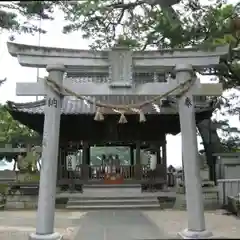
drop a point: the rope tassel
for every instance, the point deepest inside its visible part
(142, 117)
(98, 116)
(122, 119)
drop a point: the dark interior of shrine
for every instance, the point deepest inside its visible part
(84, 127)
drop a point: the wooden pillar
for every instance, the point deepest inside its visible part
(62, 169)
(85, 160)
(138, 167)
(62, 165)
(159, 160)
(164, 158)
(155, 148)
(131, 155)
(88, 154)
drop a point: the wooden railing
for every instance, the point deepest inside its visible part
(97, 172)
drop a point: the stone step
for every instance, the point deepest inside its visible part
(114, 207)
(112, 192)
(121, 198)
(114, 202)
(102, 186)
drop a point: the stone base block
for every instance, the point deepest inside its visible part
(188, 234)
(210, 200)
(14, 205)
(53, 236)
(21, 202)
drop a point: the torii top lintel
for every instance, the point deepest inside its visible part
(40, 57)
(120, 64)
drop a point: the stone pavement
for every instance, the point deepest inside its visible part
(16, 225)
(221, 224)
(118, 225)
(115, 225)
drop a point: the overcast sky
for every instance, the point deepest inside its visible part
(11, 69)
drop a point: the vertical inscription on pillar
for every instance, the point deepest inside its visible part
(52, 102)
(188, 102)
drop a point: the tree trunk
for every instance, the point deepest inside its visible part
(211, 143)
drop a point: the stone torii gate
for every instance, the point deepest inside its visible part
(120, 64)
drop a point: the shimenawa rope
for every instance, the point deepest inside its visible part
(121, 109)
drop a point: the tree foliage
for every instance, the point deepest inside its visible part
(146, 25)
(17, 16)
(140, 25)
(13, 132)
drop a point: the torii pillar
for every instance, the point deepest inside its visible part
(195, 208)
(48, 174)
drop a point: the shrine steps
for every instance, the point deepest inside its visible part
(98, 203)
(113, 197)
(107, 186)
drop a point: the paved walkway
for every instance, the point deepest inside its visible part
(17, 225)
(118, 225)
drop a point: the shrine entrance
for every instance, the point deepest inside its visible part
(112, 163)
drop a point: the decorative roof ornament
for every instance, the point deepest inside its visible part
(99, 116)
(142, 117)
(122, 118)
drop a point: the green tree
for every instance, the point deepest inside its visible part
(17, 16)
(140, 25)
(15, 133)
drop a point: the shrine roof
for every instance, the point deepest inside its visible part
(73, 106)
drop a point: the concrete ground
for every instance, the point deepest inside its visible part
(221, 224)
(16, 225)
(114, 225)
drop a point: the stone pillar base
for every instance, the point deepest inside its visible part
(187, 234)
(53, 236)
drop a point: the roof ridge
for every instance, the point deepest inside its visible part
(32, 104)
